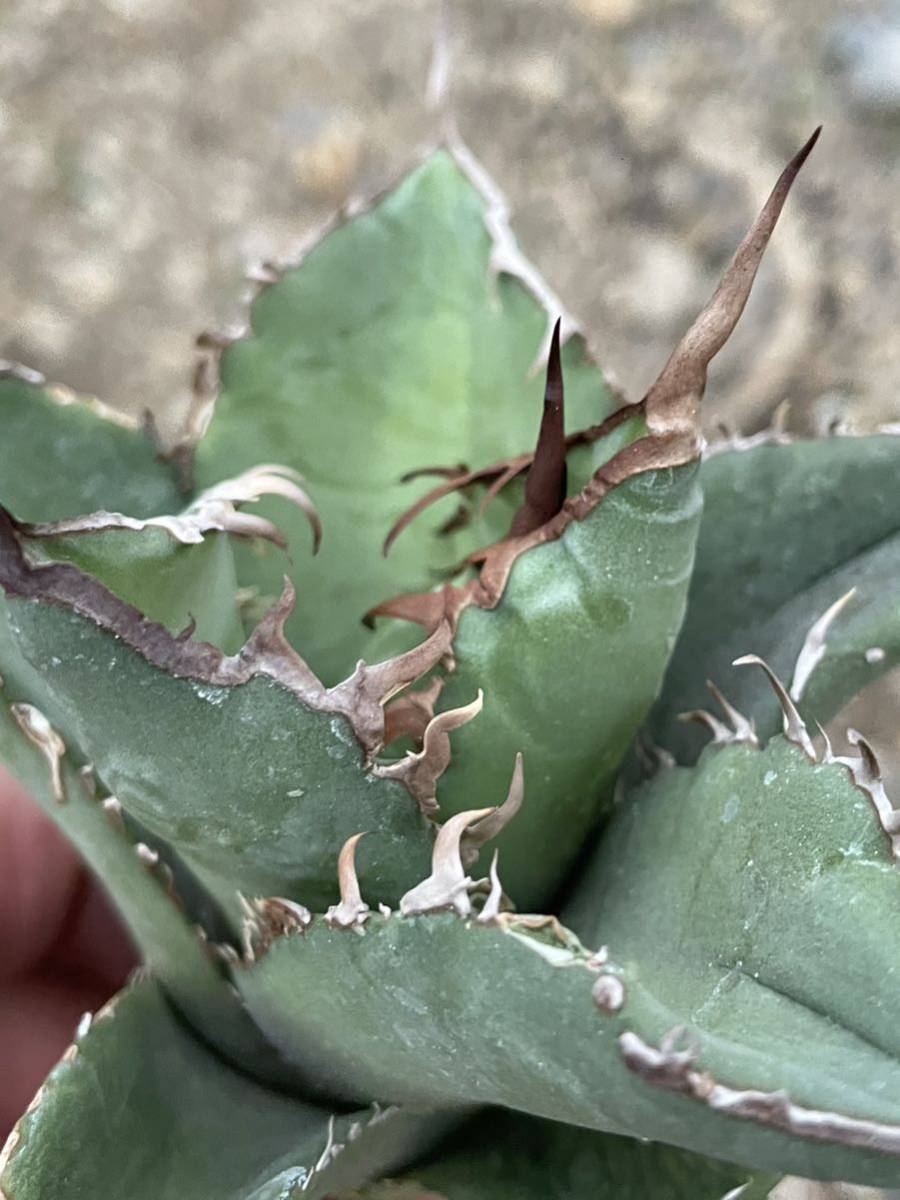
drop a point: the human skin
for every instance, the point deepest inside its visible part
(63, 952)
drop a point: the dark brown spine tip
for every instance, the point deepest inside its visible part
(316, 525)
(545, 486)
(805, 150)
(792, 170)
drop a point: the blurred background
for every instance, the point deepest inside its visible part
(150, 150)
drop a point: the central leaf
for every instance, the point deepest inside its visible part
(394, 345)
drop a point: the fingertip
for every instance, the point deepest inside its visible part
(39, 876)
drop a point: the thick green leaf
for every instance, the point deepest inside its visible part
(502, 1154)
(392, 346)
(245, 765)
(171, 948)
(571, 660)
(723, 894)
(60, 457)
(245, 781)
(139, 1108)
(571, 652)
(779, 522)
(859, 643)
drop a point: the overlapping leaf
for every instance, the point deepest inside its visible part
(723, 893)
(401, 340)
(500, 1154)
(787, 530)
(139, 1108)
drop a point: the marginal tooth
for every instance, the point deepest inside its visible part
(218, 504)
(352, 912)
(364, 694)
(88, 781)
(268, 649)
(608, 993)
(267, 920)
(515, 468)
(435, 741)
(870, 759)
(794, 726)
(827, 751)
(679, 1042)
(866, 774)
(148, 857)
(420, 770)
(485, 831)
(113, 812)
(651, 757)
(409, 714)
(814, 646)
(673, 1070)
(737, 1193)
(718, 730)
(491, 908)
(41, 734)
(214, 509)
(743, 727)
(545, 485)
(448, 885)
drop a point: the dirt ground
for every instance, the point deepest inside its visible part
(150, 149)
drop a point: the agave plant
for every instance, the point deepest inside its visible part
(373, 965)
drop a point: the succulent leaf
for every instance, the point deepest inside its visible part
(399, 337)
(616, 576)
(722, 892)
(572, 618)
(138, 1107)
(739, 999)
(138, 882)
(788, 529)
(500, 1154)
(571, 661)
(183, 734)
(62, 455)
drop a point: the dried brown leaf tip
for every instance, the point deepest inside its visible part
(865, 771)
(670, 409)
(672, 404)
